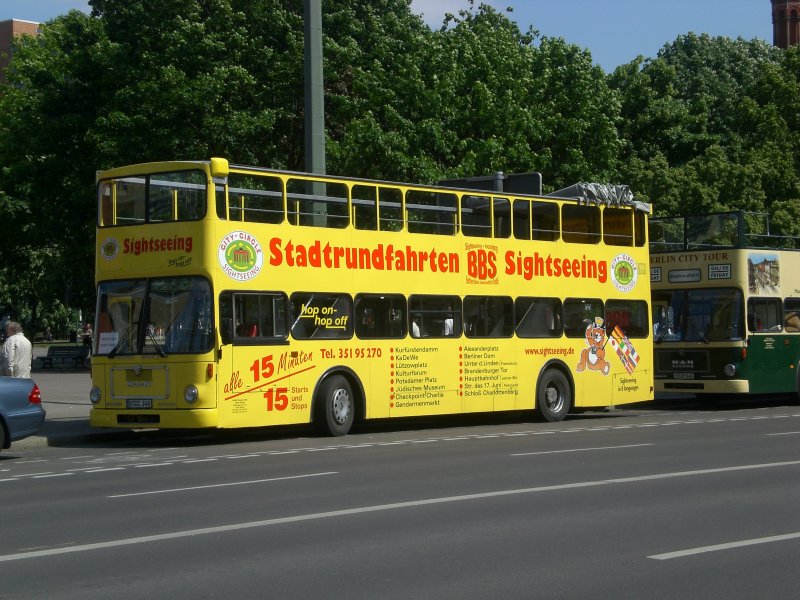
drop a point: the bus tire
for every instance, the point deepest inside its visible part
(553, 396)
(335, 406)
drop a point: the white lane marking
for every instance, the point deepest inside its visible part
(376, 508)
(218, 485)
(581, 449)
(785, 433)
(132, 455)
(54, 475)
(728, 546)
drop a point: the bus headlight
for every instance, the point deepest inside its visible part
(729, 370)
(190, 394)
(94, 395)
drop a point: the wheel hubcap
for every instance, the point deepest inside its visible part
(340, 408)
(554, 398)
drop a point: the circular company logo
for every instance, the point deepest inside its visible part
(109, 249)
(624, 272)
(240, 256)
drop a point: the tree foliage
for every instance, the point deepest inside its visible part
(708, 124)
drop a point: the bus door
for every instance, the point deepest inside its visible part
(254, 388)
(771, 356)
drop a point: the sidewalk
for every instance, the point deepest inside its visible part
(65, 397)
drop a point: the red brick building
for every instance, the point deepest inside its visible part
(785, 23)
(8, 30)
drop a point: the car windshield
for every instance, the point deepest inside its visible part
(154, 316)
(702, 315)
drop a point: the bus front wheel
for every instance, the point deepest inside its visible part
(553, 396)
(335, 406)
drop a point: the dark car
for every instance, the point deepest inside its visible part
(21, 412)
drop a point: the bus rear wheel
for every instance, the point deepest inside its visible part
(335, 406)
(553, 396)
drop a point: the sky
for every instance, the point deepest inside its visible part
(614, 31)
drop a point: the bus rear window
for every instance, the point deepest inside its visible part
(158, 198)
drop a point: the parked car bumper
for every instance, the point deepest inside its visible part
(25, 423)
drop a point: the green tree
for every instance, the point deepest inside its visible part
(143, 80)
(710, 125)
(46, 191)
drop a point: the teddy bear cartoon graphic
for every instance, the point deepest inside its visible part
(594, 357)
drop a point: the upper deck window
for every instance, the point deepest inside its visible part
(157, 198)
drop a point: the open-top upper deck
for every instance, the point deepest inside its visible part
(738, 229)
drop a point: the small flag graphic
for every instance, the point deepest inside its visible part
(625, 350)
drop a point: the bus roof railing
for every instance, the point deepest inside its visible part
(730, 229)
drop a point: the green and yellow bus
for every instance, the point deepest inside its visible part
(234, 296)
(726, 305)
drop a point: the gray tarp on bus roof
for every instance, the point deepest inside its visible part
(601, 193)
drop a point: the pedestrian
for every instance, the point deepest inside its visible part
(88, 337)
(16, 355)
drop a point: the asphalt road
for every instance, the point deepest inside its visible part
(660, 501)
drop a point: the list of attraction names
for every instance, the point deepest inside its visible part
(413, 379)
(485, 372)
(419, 377)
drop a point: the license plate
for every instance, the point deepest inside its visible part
(683, 375)
(139, 403)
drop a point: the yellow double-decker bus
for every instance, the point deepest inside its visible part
(234, 296)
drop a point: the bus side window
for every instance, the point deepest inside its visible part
(580, 224)
(255, 199)
(791, 315)
(579, 313)
(380, 316)
(314, 203)
(321, 316)
(431, 212)
(764, 314)
(631, 316)
(488, 316)
(437, 316)
(249, 316)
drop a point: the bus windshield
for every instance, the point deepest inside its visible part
(154, 316)
(709, 315)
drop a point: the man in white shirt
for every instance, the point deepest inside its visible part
(447, 329)
(16, 355)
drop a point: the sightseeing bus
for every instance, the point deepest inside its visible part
(234, 296)
(726, 305)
